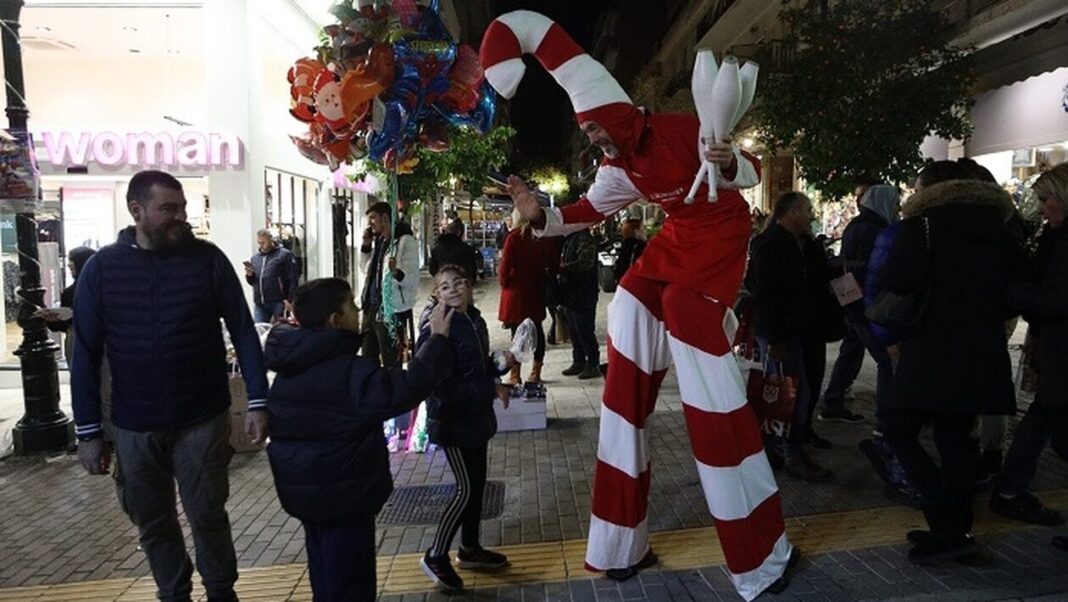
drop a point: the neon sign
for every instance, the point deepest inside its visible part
(163, 149)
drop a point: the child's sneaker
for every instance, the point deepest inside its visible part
(481, 558)
(440, 571)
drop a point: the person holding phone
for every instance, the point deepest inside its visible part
(274, 274)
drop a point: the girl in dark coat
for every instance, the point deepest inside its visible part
(461, 419)
(954, 248)
(1042, 297)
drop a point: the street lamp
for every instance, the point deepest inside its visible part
(44, 427)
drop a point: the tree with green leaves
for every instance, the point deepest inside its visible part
(469, 158)
(866, 81)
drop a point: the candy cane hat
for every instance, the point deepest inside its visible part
(595, 94)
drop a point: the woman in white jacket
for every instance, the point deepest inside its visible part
(403, 275)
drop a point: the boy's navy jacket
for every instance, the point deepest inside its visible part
(460, 410)
(326, 407)
(157, 314)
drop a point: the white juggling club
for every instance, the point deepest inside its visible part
(732, 91)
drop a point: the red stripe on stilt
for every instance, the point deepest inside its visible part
(723, 439)
(628, 391)
(618, 498)
(748, 541)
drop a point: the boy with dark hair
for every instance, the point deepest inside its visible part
(327, 451)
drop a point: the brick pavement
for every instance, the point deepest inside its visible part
(60, 525)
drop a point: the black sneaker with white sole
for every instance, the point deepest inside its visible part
(481, 558)
(440, 571)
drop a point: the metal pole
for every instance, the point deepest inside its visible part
(44, 427)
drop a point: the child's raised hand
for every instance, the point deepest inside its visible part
(440, 320)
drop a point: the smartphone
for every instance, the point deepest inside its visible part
(248, 264)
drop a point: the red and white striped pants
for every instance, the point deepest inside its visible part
(650, 323)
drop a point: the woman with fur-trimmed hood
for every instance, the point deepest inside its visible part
(954, 244)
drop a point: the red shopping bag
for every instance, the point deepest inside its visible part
(772, 396)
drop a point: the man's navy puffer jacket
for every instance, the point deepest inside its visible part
(157, 314)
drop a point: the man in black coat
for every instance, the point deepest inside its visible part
(274, 274)
(954, 249)
(777, 280)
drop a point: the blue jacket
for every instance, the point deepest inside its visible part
(326, 406)
(858, 240)
(873, 280)
(275, 275)
(157, 314)
(460, 410)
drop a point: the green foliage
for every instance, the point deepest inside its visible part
(550, 179)
(866, 82)
(469, 158)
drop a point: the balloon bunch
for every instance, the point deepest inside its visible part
(722, 95)
(389, 80)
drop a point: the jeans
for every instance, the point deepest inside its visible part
(376, 343)
(814, 355)
(341, 560)
(858, 338)
(198, 457)
(1034, 430)
(582, 322)
(265, 312)
(464, 512)
(947, 492)
(793, 365)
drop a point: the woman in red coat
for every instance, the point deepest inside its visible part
(524, 263)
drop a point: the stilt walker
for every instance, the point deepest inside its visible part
(673, 304)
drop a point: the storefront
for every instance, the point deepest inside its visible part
(1022, 129)
(197, 90)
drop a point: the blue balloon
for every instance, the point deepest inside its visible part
(431, 26)
(391, 134)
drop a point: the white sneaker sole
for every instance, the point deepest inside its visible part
(429, 572)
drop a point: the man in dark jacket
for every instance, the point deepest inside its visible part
(450, 248)
(954, 249)
(274, 274)
(153, 300)
(327, 453)
(878, 209)
(777, 280)
(578, 285)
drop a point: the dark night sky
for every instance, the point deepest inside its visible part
(540, 111)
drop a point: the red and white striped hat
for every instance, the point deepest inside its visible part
(595, 94)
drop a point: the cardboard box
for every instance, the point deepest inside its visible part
(526, 409)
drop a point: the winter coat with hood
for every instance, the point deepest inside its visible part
(326, 408)
(1042, 297)
(524, 263)
(460, 410)
(858, 241)
(958, 363)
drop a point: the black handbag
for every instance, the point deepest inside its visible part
(904, 314)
